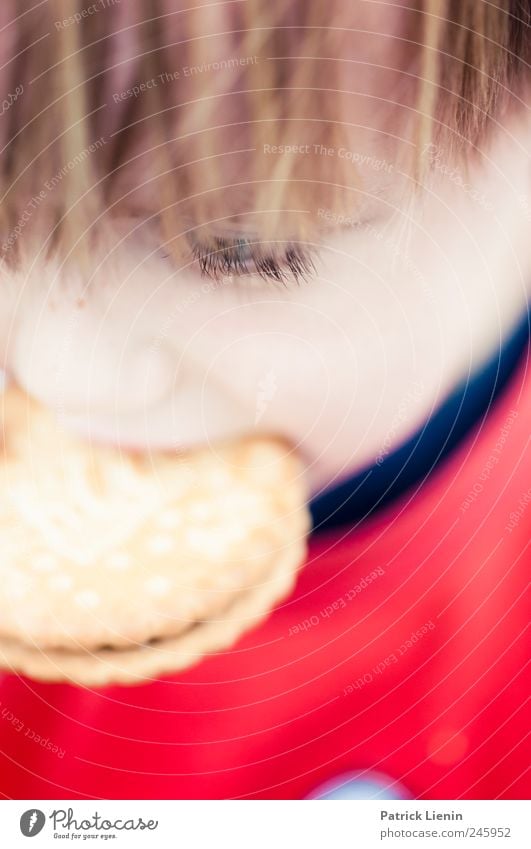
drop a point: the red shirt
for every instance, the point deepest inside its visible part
(402, 650)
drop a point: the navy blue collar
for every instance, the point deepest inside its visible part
(359, 496)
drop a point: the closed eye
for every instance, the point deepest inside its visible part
(239, 256)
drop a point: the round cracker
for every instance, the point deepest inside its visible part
(102, 547)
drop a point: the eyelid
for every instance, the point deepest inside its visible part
(244, 256)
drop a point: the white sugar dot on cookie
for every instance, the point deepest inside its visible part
(119, 560)
(60, 582)
(241, 502)
(201, 511)
(83, 559)
(218, 478)
(160, 544)
(44, 562)
(19, 587)
(204, 541)
(169, 519)
(87, 599)
(158, 585)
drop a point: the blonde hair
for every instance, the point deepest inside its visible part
(125, 108)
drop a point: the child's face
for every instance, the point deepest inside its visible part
(343, 365)
(403, 304)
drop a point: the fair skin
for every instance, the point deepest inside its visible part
(403, 305)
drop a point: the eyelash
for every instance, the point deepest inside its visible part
(240, 257)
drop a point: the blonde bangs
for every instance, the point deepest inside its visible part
(170, 116)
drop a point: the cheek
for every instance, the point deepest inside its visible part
(289, 365)
(278, 378)
(74, 359)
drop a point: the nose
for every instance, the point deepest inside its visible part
(140, 377)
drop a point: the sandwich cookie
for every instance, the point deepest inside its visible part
(108, 555)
